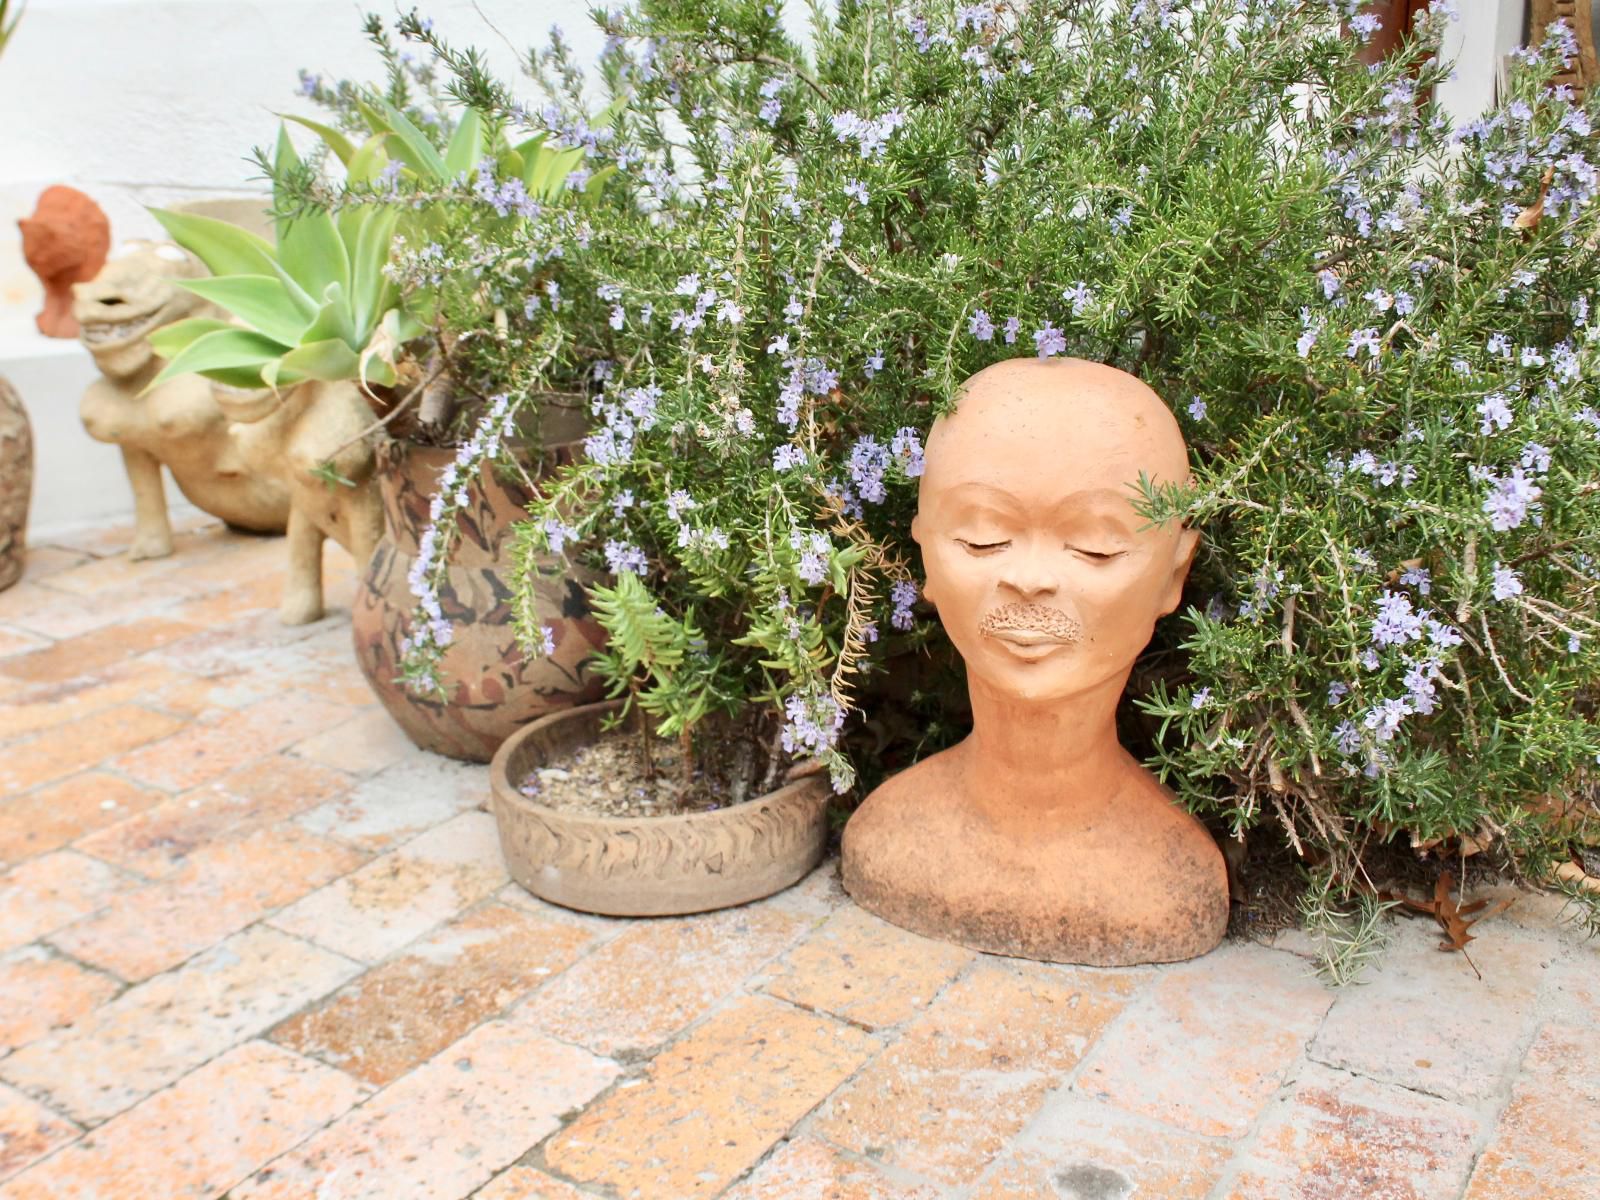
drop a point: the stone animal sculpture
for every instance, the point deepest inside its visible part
(65, 242)
(177, 425)
(1039, 835)
(304, 429)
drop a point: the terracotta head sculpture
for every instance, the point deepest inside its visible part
(1039, 835)
(64, 242)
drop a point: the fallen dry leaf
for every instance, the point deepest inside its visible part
(1571, 872)
(1528, 219)
(1451, 915)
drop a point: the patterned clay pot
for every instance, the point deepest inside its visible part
(648, 866)
(491, 688)
(16, 483)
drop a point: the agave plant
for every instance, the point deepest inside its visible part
(318, 305)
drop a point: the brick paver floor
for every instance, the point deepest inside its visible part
(253, 944)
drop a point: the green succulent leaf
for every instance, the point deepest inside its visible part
(260, 301)
(368, 162)
(331, 360)
(342, 147)
(169, 340)
(466, 144)
(371, 291)
(333, 321)
(224, 248)
(232, 356)
(412, 147)
(314, 254)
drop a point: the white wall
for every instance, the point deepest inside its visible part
(152, 101)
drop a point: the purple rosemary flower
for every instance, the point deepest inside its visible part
(624, 557)
(1511, 500)
(1049, 341)
(902, 595)
(980, 326)
(906, 448)
(1396, 622)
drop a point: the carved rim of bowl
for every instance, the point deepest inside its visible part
(648, 866)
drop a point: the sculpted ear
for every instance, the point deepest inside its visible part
(1183, 552)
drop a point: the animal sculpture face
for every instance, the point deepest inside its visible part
(133, 295)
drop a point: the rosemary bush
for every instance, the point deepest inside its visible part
(1375, 329)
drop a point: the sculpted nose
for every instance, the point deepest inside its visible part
(1028, 571)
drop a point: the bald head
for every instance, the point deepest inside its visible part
(1070, 422)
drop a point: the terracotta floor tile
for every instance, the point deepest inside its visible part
(1242, 1015)
(866, 970)
(367, 742)
(220, 889)
(20, 641)
(266, 791)
(40, 992)
(47, 560)
(208, 1131)
(48, 818)
(28, 1132)
(206, 751)
(1426, 1022)
(639, 989)
(806, 1169)
(1077, 1148)
(42, 609)
(444, 1129)
(91, 652)
(76, 745)
(406, 1011)
(712, 1104)
(162, 1029)
(397, 898)
(45, 893)
(1339, 1136)
(1546, 1139)
(29, 708)
(524, 1183)
(111, 572)
(398, 803)
(970, 1072)
(230, 604)
(818, 894)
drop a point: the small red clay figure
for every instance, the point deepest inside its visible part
(65, 242)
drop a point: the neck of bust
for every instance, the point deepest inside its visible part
(1033, 756)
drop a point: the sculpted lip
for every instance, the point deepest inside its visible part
(1030, 637)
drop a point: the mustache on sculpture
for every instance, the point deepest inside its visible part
(1038, 618)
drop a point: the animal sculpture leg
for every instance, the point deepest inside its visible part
(302, 584)
(152, 532)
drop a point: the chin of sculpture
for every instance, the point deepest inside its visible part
(1039, 836)
(293, 433)
(178, 425)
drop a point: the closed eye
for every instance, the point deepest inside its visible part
(982, 547)
(1098, 555)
